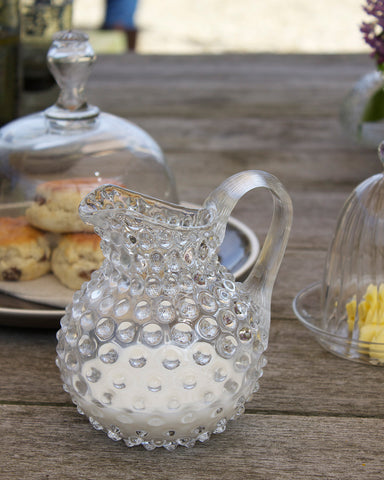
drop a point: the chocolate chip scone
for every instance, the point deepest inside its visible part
(56, 204)
(24, 250)
(75, 258)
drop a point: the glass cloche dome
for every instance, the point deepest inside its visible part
(74, 140)
(345, 311)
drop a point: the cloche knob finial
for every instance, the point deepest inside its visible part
(70, 58)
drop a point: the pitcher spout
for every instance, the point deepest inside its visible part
(113, 208)
(109, 200)
(105, 201)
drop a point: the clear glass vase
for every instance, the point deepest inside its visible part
(362, 112)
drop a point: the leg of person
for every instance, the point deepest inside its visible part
(120, 16)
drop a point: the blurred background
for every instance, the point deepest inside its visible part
(219, 26)
(164, 27)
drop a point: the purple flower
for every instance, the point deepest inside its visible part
(373, 32)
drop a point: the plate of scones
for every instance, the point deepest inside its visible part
(47, 252)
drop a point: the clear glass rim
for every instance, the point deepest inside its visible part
(308, 319)
(87, 209)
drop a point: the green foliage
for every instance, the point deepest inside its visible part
(374, 111)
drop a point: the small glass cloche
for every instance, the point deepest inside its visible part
(346, 311)
(74, 140)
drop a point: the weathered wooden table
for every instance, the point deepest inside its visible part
(316, 416)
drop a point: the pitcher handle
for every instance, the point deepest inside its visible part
(221, 203)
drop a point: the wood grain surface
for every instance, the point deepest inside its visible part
(316, 416)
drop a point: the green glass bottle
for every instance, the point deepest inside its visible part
(39, 21)
(9, 60)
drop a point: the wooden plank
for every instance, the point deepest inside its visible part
(303, 378)
(241, 135)
(314, 221)
(199, 86)
(294, 170)
(253, 447)
(293, 71)
(163, 101)
(300, 376)
(299, 268)
(28, 372)
(227, 67)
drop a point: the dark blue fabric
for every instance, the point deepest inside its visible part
(120, 13)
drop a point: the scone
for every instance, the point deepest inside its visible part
(76, 256)
(24, 250)
(56, 204)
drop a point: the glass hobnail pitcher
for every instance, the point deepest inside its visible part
(162, 347)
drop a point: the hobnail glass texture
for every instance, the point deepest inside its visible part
(162, 347)
(72, 139)
(368, 133)
(354, 271)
